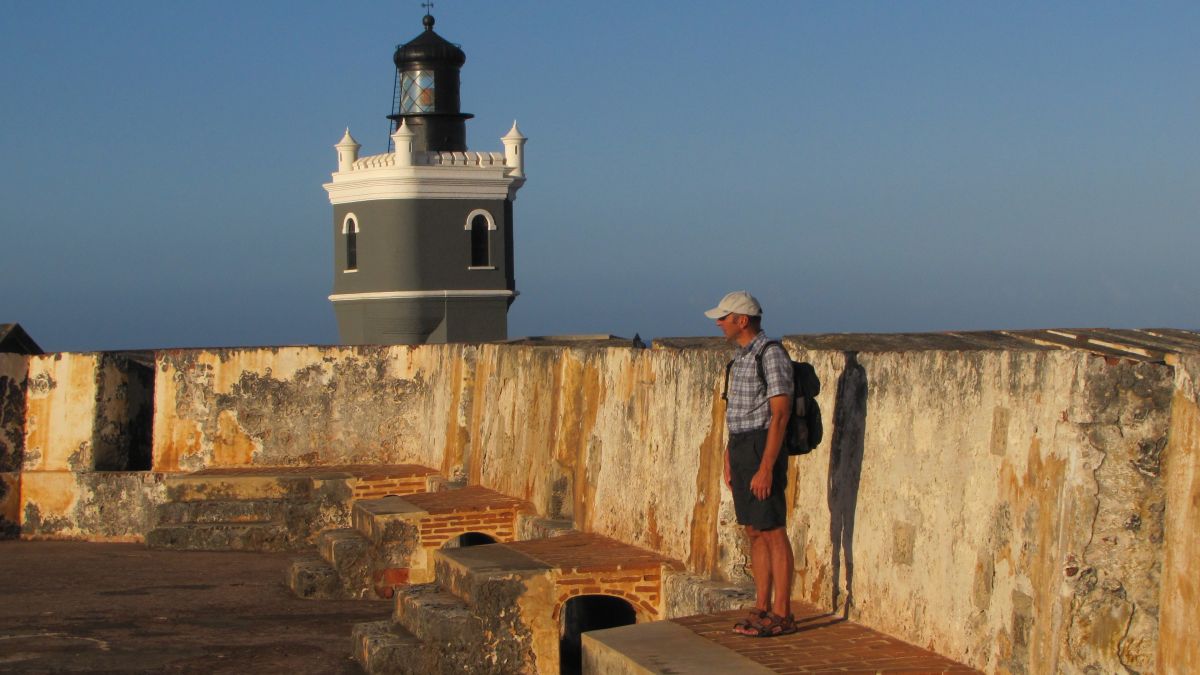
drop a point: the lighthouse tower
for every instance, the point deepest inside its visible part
(423, 235)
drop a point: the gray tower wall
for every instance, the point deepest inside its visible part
(421, 245)
(424, 320)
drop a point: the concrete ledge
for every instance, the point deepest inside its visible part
(656, 648)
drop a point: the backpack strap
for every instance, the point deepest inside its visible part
(758, 359)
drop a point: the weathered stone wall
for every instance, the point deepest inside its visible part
(1003, 508)
(624, 441)
(1004, 504)
(61, 412)
(13, 370)
(564, 428)
(297, 406)
(1178, 648)
(93, 505)
(85, 417)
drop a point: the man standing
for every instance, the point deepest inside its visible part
(757, 409)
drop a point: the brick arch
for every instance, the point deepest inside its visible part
(437, 537)
(635, 602)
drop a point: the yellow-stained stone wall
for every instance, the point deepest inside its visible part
(1178, 647)
(1004, 507)
(1001, 508)
(60, 412)
(296, 406)
(77, 417)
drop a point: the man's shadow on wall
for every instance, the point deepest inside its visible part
(845, 472)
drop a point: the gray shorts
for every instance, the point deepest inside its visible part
(745, 455)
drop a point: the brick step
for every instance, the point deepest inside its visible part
(350, 556)
(272, 536)
(227, 511)
(386, 519)
(384, 647)
(311, 576)
(431, 614)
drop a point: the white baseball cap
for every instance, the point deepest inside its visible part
(737, 302)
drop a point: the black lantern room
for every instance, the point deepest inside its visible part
(426, 94)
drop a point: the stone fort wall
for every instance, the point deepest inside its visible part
(988, 497)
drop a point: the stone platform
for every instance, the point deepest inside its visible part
(504, 604)
(825, 643)
(391, 541)
(272, 508)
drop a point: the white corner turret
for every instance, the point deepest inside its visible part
(347, 150)
(514, 151)
(402, 139)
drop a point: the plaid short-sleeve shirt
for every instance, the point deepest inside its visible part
(747, 408)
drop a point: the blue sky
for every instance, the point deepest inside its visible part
(860, 166)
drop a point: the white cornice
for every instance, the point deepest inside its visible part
(392, 295)
(422, 182)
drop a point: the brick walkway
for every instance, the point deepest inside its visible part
(825, 643)
(471, 498)
(580, 552)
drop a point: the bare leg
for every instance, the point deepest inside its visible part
(760, 569)
(783, 567)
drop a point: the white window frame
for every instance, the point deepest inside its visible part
(491, 226)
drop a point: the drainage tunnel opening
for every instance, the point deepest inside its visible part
(584, 613)
(469, 539)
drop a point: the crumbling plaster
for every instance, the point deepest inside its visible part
(1178, 648)
(60, 412)
(292, 406)
(1002, 508)
(13, 372)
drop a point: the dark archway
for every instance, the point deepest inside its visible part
(469, 539)
(584, 613)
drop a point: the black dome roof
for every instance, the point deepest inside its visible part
(429, 48)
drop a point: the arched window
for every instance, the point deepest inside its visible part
(480, 223)
(479, 242)
(350, 232)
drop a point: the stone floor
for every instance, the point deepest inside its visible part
(75, 606)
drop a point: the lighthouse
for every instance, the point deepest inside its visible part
(423, 234)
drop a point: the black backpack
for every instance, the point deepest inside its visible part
(804, 429)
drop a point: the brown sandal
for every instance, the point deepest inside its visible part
(750, 624)
(774, 626)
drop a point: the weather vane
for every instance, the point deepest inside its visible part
(428, 5)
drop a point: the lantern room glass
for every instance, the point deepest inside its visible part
(416, 91)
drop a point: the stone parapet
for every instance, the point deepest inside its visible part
(1018, 500)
